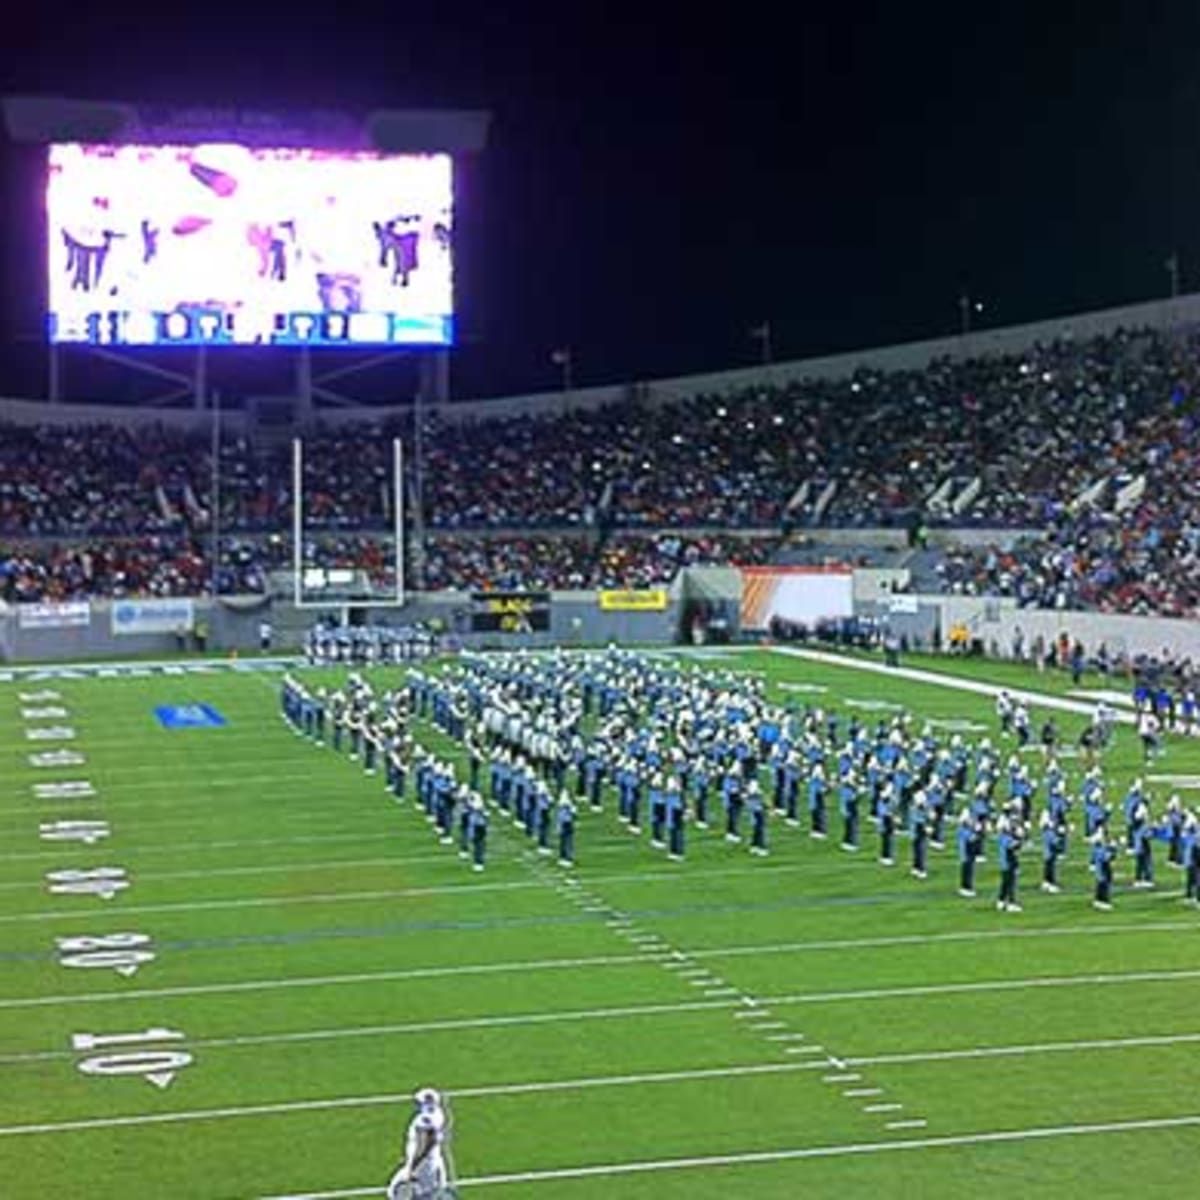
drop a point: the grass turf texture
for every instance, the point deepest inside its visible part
(317, 947)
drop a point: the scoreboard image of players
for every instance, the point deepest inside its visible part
(510, 612)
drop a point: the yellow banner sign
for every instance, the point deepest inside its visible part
(651, 600)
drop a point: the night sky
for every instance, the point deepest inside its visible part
(658, 181)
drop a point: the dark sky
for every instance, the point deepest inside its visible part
(658, 181)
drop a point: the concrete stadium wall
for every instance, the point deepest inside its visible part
(997, 621)
(575, 619)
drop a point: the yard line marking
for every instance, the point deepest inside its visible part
(847, 1078)
(309, 898)
(862, 1093)
(191, 847)
(804, 1050)
(398, 1030)
(882, 1108)
(923, 939)
(769, 1025)
(721, 991)
(210, 989)
(771, 1156)
(786, 1037)
(917, 1123)
(277, 868)
(388, 1098)
(992, 985)
(1170, 1039)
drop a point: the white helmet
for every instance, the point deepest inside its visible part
(428, 1098)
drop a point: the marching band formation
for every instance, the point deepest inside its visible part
(681, 748)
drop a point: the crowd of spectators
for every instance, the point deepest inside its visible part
(1090, 447)
(165, 565)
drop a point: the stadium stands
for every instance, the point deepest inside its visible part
(1088, 448)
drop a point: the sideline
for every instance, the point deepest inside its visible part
(956, 683)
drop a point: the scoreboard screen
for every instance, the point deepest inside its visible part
(510, 612)
(225, 244)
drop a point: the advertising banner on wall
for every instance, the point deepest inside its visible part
(646, 600)
(73, 614)
(510, 612)
(152, 616)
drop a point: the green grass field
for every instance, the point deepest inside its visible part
(811, 1024)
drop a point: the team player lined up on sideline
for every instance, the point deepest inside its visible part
(669, 744)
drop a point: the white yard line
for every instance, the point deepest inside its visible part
(1021, 1051)
(328, 864)
(562, 1085)
(352, 980)
(921, 939)
(448, 889)
(154, 848)
(388, 1098)
(654, 951)
(957, 683)
(659, 1010)
(846, 1149)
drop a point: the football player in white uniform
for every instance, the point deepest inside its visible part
(424, 1174)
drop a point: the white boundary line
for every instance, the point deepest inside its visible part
(581, 1084)
(656, 1010)
(789, 1155)
(957, 683)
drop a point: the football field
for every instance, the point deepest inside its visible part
(228, 956)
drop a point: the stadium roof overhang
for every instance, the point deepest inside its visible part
(49, 119)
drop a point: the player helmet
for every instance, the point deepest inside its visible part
(428, 1097)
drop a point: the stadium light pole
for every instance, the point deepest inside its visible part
(968, 309)
(1172, 269)
(762, 335)
(564, 360)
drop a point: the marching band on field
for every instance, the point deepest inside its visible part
(540, 736)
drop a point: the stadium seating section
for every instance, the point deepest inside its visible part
(1081, 455)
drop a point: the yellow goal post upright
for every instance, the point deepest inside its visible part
(347, 585)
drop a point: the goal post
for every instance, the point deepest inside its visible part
(332, 566)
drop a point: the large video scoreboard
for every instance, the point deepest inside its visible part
(229, 244)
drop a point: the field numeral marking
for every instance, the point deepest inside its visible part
(50, 733)
(44, 696)
(57, 758)
(156, 1066)
(104, 882)
(53, 712)
(124, 953)
(68, 789)
(88, 832)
